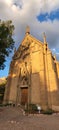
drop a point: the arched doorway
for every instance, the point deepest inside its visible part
(24, 95)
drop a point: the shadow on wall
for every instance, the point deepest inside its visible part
(50, 99)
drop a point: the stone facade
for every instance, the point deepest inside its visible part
(33, 75)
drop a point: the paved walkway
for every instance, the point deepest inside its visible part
(12, 118)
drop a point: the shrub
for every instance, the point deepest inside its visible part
(48, 111)
(1, 105)
(8, 104)
(31, 108)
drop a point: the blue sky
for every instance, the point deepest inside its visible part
(43, 17)
(52, 16)
(4, 72)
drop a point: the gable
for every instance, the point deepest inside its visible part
(29, 42)
(29, 39)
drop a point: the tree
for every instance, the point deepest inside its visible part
(3, 82)
(2, 89)
(6, 41)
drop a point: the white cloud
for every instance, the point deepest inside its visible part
(24, 12)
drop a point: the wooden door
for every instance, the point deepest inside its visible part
(24, 96)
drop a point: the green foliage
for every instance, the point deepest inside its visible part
(2, 84)
(1, 105)
(5, 105)
(2, 90)
(31, 108)
(48, 111)
(6, 40)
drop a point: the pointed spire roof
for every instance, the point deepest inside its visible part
(44, 36)
(27, 30)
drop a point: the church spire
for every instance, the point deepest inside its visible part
(45, 43)
(44, 36)
(27, 30)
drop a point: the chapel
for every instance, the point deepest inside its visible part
(33, 75)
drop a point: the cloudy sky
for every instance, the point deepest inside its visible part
(40, 15)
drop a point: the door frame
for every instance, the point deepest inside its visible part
(23, 87)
